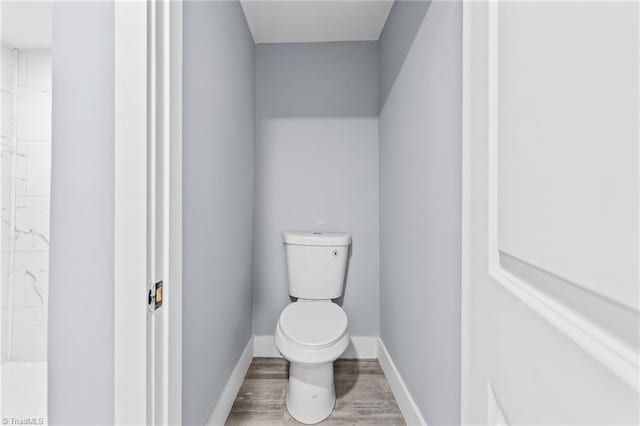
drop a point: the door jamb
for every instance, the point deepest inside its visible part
(131, 75)
(465, 286)
(130, 200)
(175, 213)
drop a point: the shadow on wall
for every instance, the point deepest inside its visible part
(420, 201)
(394, 46)
(316, 80)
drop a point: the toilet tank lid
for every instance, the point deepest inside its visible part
(328, 239)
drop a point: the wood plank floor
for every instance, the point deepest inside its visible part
(363, 396)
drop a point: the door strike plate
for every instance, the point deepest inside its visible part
(155, 296)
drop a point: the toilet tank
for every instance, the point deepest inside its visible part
(316, 264)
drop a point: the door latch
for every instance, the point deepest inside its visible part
(155, 296)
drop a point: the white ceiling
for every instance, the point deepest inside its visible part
(26, 24)
(276, 21)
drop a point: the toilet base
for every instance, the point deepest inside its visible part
(311, 395)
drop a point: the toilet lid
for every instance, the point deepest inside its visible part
(313, 323)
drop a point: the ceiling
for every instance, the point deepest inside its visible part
(26, 24)
(276, 21)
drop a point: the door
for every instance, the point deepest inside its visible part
(551, 160)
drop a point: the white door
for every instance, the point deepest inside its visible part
(551, 217)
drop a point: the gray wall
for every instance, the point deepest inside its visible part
(317, 168)
(219, 149)
(420, 202)
(80, 343)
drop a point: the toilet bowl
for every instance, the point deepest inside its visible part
(312, 332)
(311, 335)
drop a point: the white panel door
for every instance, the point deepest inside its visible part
(551, 213)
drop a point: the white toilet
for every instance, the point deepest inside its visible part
(312, 332)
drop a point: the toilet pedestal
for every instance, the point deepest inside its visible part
(310, 392)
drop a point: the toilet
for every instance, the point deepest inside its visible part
(312, 331)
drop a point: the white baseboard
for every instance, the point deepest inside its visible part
(230, 391)
(405, 402)
(360, 347)
(265, 347)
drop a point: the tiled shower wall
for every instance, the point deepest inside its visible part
(8, 86)
(25, 204)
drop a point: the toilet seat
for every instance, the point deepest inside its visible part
(311, 334)
(313, 324)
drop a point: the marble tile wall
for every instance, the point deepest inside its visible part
(28, 243)
(8, 86)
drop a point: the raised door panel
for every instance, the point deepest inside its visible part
(567, 131)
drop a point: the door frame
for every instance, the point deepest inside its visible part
(133, 116)
(465, 300)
